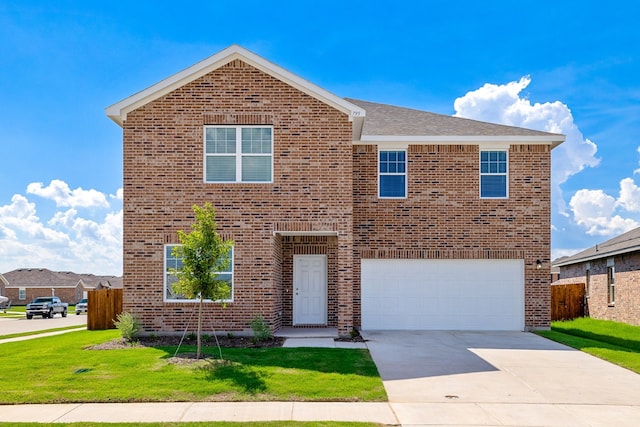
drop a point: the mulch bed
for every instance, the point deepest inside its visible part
(224, 341)
(173, 340)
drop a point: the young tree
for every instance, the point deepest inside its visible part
(204, 255)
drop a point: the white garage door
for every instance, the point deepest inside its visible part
(443, 294)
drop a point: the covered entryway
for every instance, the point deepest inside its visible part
(310, 290)
(417, 294)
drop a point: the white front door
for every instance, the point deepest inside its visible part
(309, 289)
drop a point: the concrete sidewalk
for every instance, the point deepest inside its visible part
(200, 411)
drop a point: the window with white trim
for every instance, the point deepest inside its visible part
(238, 154)
(171, 262)
(392, 173)
(22, 293)
(493, 174)
(611, 285)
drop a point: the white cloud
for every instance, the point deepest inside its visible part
(118, 196)
(76, 239)
(60, 192)
(629, 198)
(596, 211)
(637, 171)
(503, 104)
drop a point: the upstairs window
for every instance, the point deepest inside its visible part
(392, 174)
(493, 174)
(238, 154)
(172, 262)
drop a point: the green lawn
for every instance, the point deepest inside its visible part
(60, 369)
(14, 311)
(615, 342)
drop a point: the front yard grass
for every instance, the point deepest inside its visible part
(60, 369)
(615, 342)
(13, 312)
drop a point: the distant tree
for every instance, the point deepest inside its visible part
(204, 255)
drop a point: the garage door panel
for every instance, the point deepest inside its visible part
(442, 294)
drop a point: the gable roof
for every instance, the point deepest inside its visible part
(622, 244)
(45, 278)
(118, 111)
(388, 122)
(372, 122)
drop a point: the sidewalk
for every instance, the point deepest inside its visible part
(199, 411)
(44, 334)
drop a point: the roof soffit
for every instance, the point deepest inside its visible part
(118, 111)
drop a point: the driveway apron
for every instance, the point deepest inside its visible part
(500, 378)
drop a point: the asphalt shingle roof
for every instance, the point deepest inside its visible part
(45, 278)
(624, 243)
(383, 119)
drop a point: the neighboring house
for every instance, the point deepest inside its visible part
(611, 274)
(21, 286)
(344, 213)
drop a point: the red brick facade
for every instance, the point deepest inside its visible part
(323, 200)
(311, 192)
(444, 218)
(68, 295)
(626, 305)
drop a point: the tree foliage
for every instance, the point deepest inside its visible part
(204, 254)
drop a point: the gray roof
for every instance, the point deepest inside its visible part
(622, 244)
(45, 278)
(382, 119)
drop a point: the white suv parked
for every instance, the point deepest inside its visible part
(81, 306)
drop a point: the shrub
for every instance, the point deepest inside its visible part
(128, 325)
(261, 330)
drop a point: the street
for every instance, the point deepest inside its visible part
(22, 325)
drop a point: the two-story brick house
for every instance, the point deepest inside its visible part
(344, 213)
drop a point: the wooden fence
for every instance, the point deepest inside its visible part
(567, 301)
(104, 307)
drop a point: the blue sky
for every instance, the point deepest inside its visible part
(571, 67)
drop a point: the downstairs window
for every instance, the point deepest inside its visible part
(172, 262)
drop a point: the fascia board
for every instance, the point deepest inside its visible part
(599, 255)
(554, 140)
(118, 111)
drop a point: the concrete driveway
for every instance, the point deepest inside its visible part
(452, 378)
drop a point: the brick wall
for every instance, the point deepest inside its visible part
(626, 307)
(163, 178)
(314, 190)
(68, 295)
(443, 216)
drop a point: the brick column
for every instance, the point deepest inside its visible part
(345, 284)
